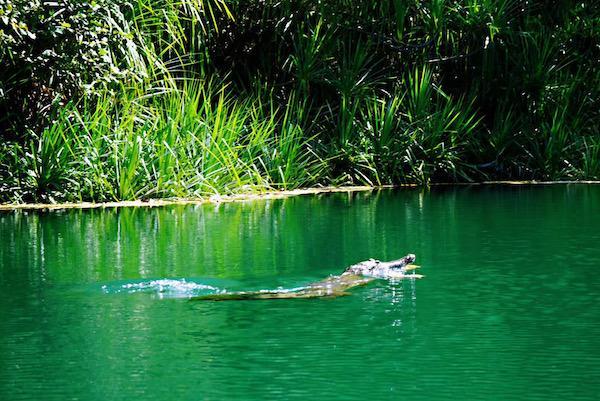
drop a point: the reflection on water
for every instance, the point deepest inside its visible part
(508, 308)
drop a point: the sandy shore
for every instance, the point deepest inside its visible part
(191, 201)
(249, 197)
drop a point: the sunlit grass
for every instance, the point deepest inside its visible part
(192, 142)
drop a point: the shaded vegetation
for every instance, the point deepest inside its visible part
(177, 98)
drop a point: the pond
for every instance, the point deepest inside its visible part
(94, 304)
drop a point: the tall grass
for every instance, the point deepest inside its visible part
(419, 134)
(191, 142)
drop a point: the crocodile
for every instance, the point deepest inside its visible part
(333, 286)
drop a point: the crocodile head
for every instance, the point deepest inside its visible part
(376, 268)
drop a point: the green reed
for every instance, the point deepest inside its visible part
(191, 142)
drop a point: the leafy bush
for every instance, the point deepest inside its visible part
(389, 91)
(51, 50)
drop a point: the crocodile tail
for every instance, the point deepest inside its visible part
(263, 295)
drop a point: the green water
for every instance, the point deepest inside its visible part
(508, 311)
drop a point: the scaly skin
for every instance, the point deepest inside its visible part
(334, 286)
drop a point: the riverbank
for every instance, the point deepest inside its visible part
(290, 95)
(216, 199)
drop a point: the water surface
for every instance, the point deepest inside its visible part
(94, 304)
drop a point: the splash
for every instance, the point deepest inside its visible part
(163, 288)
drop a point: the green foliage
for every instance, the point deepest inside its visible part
(189, 142)
(338, 91)
(420, 135)
(63, 43)
(53, 51)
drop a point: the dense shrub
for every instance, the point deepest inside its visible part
(386, 92)
(53, 50)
